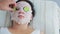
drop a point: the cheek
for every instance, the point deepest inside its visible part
(29, 16)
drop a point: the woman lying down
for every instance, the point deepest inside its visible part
(21, 19)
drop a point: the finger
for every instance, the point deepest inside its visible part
(12, 1)
(9, 9)
(14, 4)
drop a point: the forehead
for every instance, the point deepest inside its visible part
(23, 4)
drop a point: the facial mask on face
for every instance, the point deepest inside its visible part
(25, 16)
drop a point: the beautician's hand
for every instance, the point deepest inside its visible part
(4, 5)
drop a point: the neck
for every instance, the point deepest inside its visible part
(20, 26)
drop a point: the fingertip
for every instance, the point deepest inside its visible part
(10, 9)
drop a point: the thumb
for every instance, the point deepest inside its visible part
(9, 9)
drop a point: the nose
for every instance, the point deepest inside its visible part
(20, 12)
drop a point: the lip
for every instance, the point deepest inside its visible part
(20, 16)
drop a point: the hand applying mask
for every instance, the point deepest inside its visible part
(23, 14)
(4, 5)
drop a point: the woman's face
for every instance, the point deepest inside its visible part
(23, 14)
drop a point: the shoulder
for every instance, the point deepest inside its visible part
(37, 31)
(3, 30)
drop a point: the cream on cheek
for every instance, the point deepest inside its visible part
(26, 19)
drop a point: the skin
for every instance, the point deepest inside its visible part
(4, 5)
(20, 28)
